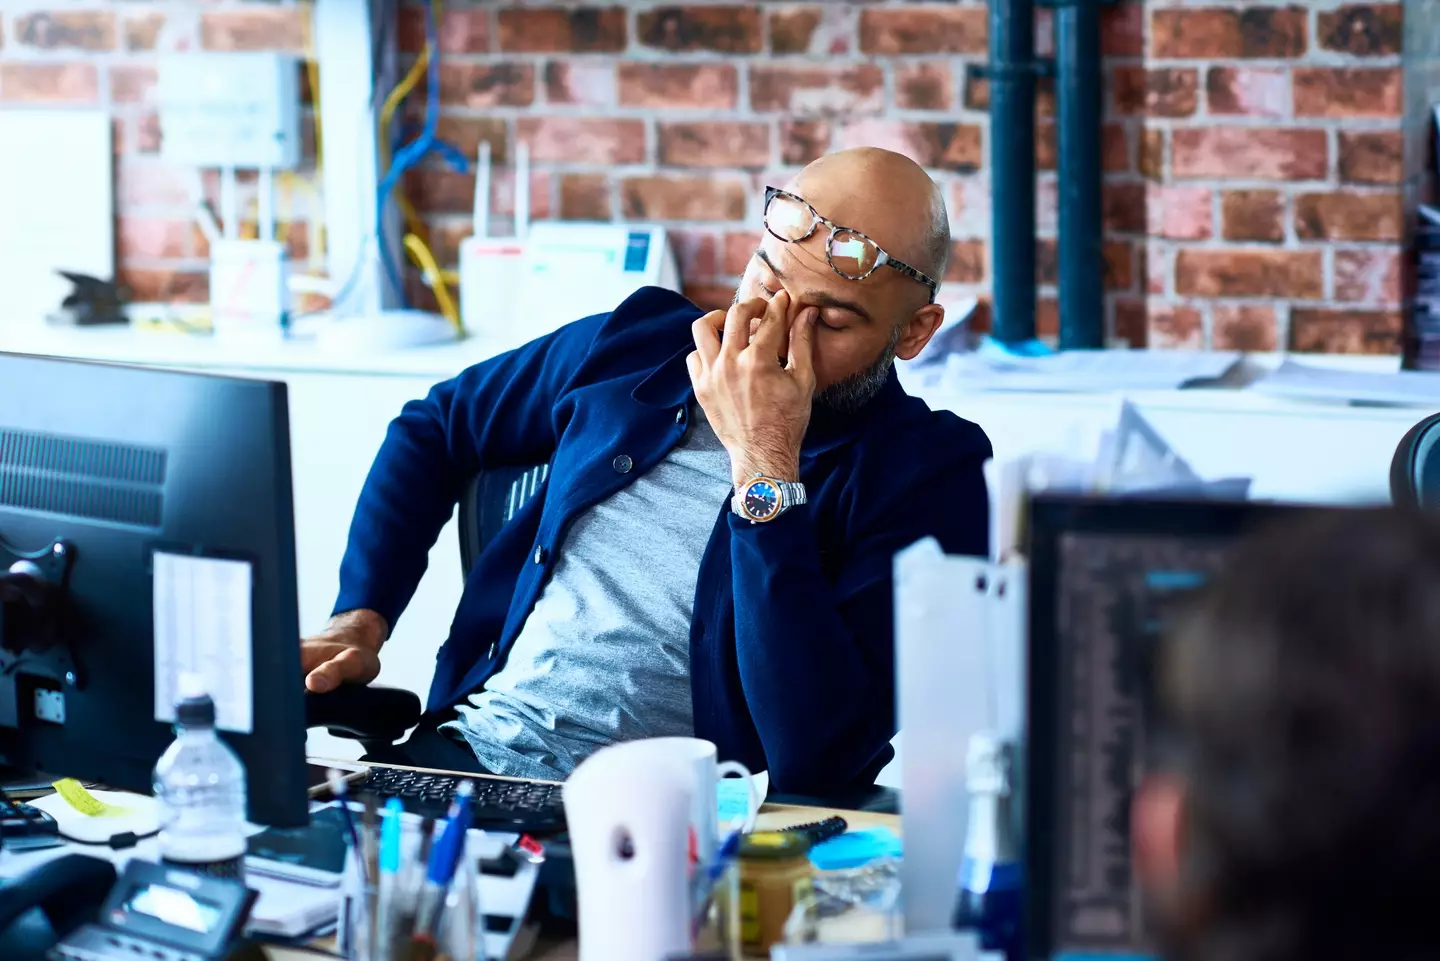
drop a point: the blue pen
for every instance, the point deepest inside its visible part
(336, 781)
(444, 860)
(389, 863)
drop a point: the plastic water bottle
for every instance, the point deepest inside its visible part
(989, 899)
(200, 784)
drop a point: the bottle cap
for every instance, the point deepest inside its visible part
(195, 709)
(774, 845)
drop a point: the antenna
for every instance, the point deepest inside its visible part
(482, 191)
(522, 190)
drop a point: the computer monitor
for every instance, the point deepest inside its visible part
(146, 529)
(1104, 575)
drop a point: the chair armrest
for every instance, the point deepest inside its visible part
(364, 713)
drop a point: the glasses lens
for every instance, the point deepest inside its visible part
(853, 255)
(787, 218)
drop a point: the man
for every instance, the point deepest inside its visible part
(1292, 816)
(638, 595)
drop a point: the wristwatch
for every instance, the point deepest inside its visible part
(765, 498)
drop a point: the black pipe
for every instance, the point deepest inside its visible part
(1078, 96)
(1012, 72)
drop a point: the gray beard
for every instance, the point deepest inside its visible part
(854, 392)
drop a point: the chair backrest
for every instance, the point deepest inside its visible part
(491, 498)
(1415, 468)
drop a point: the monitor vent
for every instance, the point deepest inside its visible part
(81, 478)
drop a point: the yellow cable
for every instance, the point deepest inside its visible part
(387, 113)
(425, 260)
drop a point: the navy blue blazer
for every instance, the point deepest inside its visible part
(791, 644)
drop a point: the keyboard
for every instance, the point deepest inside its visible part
(527, 807)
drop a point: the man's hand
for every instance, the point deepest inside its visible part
(346, 652)
(758, 407)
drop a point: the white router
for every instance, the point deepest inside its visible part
(490, 266)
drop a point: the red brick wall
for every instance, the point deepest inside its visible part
(1252, 150)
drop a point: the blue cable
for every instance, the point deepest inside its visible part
(415, 151)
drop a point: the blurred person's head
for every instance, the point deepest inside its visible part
(1293, 808)
(864, 324)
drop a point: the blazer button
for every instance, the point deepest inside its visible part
(494, 647)
(680, 416)
(622, 464)
(540, 554)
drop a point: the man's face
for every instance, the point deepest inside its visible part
(863, 324)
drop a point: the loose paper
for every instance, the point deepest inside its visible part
(203, 626)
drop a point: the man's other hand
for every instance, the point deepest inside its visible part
(346, 652)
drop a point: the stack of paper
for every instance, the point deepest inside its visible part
(1401, 387)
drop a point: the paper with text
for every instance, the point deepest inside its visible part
(203, 625)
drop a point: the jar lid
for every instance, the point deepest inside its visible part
(774, 845)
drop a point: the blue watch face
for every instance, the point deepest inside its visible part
(762, 500)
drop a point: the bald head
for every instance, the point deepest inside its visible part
(887, 196)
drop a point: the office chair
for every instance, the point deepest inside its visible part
(377, 717)
(1415, 468)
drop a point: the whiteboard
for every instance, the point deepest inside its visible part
(57, 207)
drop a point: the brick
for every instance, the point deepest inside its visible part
(696, 252)
(1345, 331)
(940, 29)
(1119, 265)
(1122, 29)
(256, 27)
(1253, 215)
(555, 30)
(682, 198)
(969, 207)
(1114, 148)
(1172, 326)
(480, 86)
(440, 190)
(1047, 145)
(49, 83)
(1348, 92)
(1247, 327)
(1248, 91)
(802, 141)
(1363, 30)
(736, 252)
(585, 197)
(1124, 207)
(1047, 317)
(1349, 216)
(1368, 276)
(967, 262)
(142, 31)
(924, 86)
(948, 146)
(1179, 213)
(1250, 153)
(466, 133)
(89, 30)
(446, 236)
(583, 139)
(460, 30)
(827, 30)
(132, 83)
(1372, 157)
(1222, 34)
(1166, 92)
(140, 183)
(1131, 320)
(1047, 262)
(165, 285)
(145, 238)
(715, 144)
(812, 91)
(149, 134)
(1152, 153)
(502, 195)
(721, 29)
(684, 86)
(579, 83)
(1250, 273)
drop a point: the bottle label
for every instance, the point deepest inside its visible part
(227, 869)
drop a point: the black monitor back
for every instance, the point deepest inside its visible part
(1105, 575)
(113, 464)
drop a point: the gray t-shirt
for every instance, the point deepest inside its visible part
(605, 654)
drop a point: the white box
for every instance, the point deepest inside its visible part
(249, 296)
(237, 110)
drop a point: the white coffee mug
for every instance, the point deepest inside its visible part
(698, 760)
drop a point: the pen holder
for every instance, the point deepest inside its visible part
(716, 925)
(376, 921)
